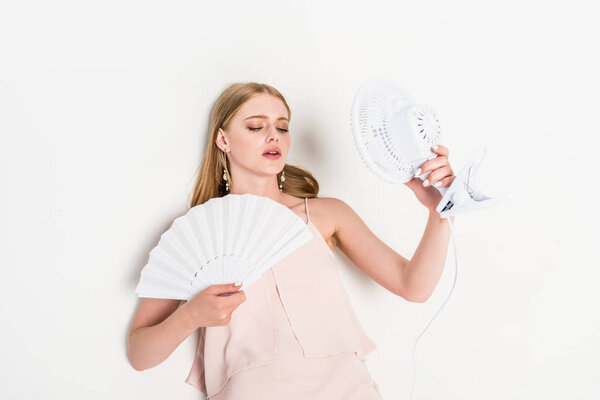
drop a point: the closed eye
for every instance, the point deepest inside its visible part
(257, 129)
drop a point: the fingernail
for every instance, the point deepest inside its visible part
(238, 283)
(418, 172)
(437, 184)
(435, 147)
(425, 182)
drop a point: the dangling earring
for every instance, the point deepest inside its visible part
(225, 179)
(282, 180)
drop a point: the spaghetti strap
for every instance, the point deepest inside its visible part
(306, 207)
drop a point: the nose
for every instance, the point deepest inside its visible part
(273, 132)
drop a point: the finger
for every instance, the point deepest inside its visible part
(431, 165)
(445, 182)
(226, 288)
(441, 150)
(439, 175)
(235, 299)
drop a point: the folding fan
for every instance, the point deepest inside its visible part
(224, 240)
(394, 137)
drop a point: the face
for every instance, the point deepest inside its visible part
(262, 122)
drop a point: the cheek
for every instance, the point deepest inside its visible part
(245, 143)
(285, 142)
(248, 147)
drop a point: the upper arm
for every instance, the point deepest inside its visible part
(372, 256)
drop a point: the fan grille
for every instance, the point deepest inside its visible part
(391, 134)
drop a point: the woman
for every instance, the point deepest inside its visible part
(294, 334)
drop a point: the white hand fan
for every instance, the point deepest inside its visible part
(394, 138)
(224, 240)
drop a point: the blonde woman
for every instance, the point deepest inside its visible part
(292, 334)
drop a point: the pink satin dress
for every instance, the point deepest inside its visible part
(295, 337)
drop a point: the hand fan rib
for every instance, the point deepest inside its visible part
(224, 240)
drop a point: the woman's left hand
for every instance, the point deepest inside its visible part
(441, 173)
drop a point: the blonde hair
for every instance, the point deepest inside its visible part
(209, 182)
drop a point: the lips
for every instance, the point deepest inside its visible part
(272, 156)
(272, 149)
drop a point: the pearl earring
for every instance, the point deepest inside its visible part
(225, 179)
(282, 180)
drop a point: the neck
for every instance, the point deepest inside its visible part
(265, 186)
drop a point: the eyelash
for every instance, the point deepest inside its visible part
(256, 129)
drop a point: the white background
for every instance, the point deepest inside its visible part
(104, 113)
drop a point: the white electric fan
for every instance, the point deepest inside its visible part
(224, 240)
(394, 137)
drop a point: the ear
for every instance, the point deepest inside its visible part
(221, 140)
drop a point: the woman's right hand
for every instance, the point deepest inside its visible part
(209, 308)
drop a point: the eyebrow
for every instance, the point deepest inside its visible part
(265, 117)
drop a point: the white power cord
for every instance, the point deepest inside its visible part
(451, 290)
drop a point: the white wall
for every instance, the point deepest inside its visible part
(104, 112)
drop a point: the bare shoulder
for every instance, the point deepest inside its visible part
(329, 209)
(340, 216)
(323, 207)
(323, 214)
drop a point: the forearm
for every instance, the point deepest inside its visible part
(151, 345)
(422, 273)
